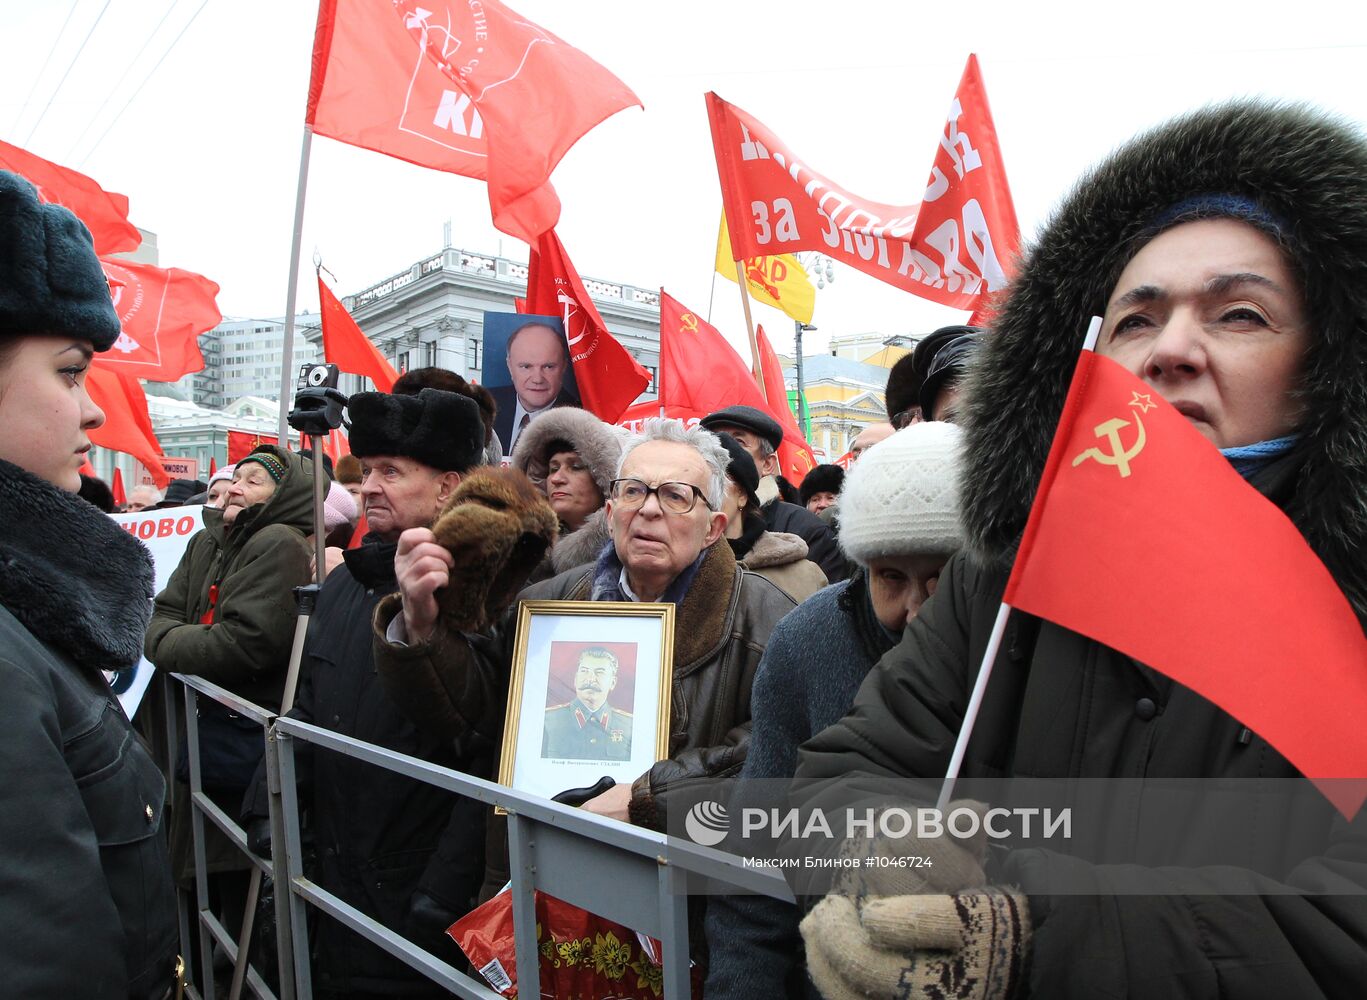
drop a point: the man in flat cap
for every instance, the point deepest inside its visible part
(760, 435)
(414, 451)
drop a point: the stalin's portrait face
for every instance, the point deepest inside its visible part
(595, 677)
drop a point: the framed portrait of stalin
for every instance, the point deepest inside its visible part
(589, 693)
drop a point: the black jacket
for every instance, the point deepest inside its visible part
(780, 516)
(1059, 705)
(376, 834)
(86, 903)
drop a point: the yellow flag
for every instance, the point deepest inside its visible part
(780, 282)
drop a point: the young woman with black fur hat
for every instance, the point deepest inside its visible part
(1227, 251)
(86, 902)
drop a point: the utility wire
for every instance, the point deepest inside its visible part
(114, 89)
(90, 152)
(69, 66)
(36, 79)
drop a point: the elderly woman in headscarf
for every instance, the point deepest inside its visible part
(1227, 254)
(572, 457)
(778, 556)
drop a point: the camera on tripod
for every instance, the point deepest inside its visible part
(318, 403)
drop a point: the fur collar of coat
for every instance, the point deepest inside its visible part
(70, 575)
(775, 548)
(1303, 167)
(583, 545)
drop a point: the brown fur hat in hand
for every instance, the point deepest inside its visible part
(497, 527)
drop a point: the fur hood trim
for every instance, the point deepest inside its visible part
(775, 548)
(583, 545)
(599, 444)
(1301, 166)
(70, 575)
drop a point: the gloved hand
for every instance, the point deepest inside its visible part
(913, 864)
(960, 946)
(497, 527)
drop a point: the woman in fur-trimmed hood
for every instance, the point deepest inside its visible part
(572, 456)
(1227, 251)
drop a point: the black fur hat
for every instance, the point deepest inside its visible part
(822, 479)
(51, 281)
(437, 428)
(1296, 164)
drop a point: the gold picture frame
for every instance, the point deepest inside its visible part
(589, 694)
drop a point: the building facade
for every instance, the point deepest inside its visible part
(242, 358)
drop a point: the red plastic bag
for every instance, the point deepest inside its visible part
(583, 956)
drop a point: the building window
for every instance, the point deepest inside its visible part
(474, 353)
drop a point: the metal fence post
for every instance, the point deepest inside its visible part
(284, 927)
(289, 863)
(170, 691)
(522, 866)
(206, 941)
(674, 931)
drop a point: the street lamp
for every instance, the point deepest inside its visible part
(799, 328)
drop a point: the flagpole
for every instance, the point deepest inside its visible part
(750, 328)
(660, 362)
(994, 642)
(292, 291)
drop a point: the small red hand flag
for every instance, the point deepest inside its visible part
(1143, 537)
(116, 488)
(345, 346)
(104, 213)
(243, 443)
(608, 377)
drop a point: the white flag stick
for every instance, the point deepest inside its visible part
(975, 700)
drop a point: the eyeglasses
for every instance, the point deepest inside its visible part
(676, 498)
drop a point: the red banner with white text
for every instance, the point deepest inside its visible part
(953, 248)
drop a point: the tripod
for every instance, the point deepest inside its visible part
(317, 412)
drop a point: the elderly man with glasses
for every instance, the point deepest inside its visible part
(664, 514)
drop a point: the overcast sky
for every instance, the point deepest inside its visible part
(208, 149)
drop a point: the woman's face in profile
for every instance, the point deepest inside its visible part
(1210, 314)
(45, 412)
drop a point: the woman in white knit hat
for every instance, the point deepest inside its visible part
(899, 522)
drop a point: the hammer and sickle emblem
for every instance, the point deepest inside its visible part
(1119, 455)
(689, 322)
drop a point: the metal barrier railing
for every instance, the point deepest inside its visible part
(550, 847)
(202, 808)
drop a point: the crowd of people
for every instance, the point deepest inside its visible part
(824, 630)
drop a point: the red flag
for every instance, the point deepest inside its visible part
(345, 346)
(473, 89)
(609, 378)
(795, 457)
(162, 312)
(243, 443)
(336, 445)
(116, 488)
(699, 371)
(127, 426)
(104, 213)
(952, 248)
(213, 465)
(1143, 537)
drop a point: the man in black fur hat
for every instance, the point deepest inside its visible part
(414, 451)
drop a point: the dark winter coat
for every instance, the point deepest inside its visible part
(780, 516)
(815, 661)
(86, 903)
(255, 566)
(1060, 705)
(376, 834)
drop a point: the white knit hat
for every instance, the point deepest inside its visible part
(902, 497)
(339, 507)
